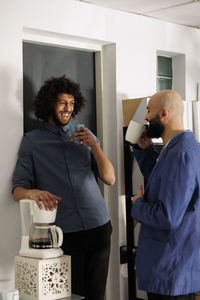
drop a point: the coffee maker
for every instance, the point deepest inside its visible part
(39, 238)
(42, 272)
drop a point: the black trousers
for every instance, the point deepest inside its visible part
(166, 297)
(90, 252)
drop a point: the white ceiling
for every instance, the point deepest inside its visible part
(184, 12)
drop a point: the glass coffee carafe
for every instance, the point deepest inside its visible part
(45, 236)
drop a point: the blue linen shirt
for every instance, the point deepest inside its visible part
(49, 161)
(168, 254)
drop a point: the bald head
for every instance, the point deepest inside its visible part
(165, 115)
(171, 101)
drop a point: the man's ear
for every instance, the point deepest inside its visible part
(164, 114)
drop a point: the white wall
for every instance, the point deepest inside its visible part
(135, 40)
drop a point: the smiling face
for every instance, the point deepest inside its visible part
(63, 110)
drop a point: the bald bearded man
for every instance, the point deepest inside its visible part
(168, 253)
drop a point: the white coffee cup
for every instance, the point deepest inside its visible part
(134, 132)
(10, 294)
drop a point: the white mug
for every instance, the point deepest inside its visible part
(134, 132)
(10, 294)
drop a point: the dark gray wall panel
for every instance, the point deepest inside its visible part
(40, 62)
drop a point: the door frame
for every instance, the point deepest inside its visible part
(106, 116)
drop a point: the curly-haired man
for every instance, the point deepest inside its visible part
(60, 169)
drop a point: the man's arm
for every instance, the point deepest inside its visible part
(145, 154)
(164, 204)
(24, 179)
(105, 167)
(49, 200)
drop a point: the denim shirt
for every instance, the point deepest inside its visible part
(49, 161)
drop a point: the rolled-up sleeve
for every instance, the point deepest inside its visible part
(24, 170)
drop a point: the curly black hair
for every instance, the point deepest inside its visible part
(47, 96)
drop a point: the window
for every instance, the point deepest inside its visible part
(164, 73)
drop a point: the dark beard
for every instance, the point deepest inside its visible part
(57, 121)
(155, 128)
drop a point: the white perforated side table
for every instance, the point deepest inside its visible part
(40, 279)
(72, 297)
